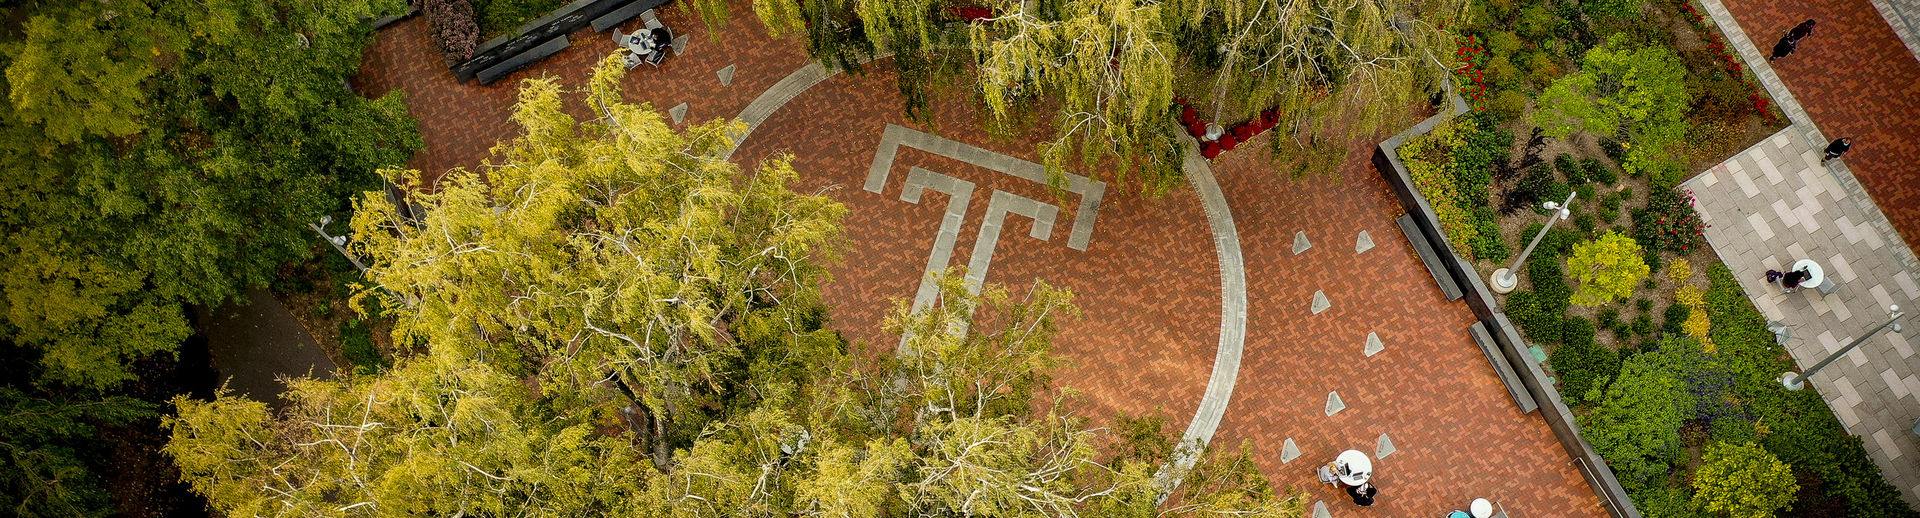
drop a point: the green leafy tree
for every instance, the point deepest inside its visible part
(1608, 267)
(1622, 86)
(43, 445)
(1636, 426)
(1743, 481)
(154, 154)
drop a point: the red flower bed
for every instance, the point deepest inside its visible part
(1472, 79)
(1727, 59)
(1234, 135)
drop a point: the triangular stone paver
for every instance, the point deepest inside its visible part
(1289, 451)
(726, 76)
(1334, 404)
(1363, 244)
(1300, 243)
(1320, 302)
(680, 44)
(1373, 344)
(1320, 510)
(1384, 448)
(679, 112)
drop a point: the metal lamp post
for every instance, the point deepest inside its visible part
(1795, 381)
(339, 242)
(1504, 280)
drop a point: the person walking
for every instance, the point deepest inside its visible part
(1801, 31)
(1837, 148)
(1785, 47)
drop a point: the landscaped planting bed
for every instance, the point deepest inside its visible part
(1669, 370)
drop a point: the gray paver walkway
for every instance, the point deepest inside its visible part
(1774, 204)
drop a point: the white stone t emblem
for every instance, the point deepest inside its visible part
(959, 192)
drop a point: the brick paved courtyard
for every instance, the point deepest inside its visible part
(1149, 276)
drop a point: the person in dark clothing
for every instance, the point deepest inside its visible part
(1792, 280)
(1785, 47)
(1363, 494)
(1801, 31)
(1837, 148)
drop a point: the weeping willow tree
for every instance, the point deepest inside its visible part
(1109, 70)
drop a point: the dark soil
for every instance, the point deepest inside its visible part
(142, 480)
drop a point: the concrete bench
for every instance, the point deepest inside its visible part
(1502, 368)
(521, 60)
(617, 16)
(1424, 248)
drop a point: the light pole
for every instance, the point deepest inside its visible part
(1795, 381)
(1504, 280)
(338, 242)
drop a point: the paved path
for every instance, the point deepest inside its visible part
(1853, 78)
(1162, 306)
(1776, 203)
(256, 343)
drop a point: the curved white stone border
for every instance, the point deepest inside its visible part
(1226, 246)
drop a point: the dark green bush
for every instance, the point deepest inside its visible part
(1577, 331)
(1673, 317)
(1581, 368)
(497, 16)
(1523, 307)
(1598, 172)
(1585, 222)
(1570, 170)
(1613, 149)
(1733, 430)
(1610, 208)
(356, 343)
(1588, 196)
(1608, 318)
(1644, 305)
(1642, 325)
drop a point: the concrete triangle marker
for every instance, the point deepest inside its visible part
(1334, 404)
(1289, 451)
(1320, 510)
(679, 112)
(726, 76)
(680, 44)
(1384, 448)
(1320, 302)
(1300, 243)
(1373, 344)
(1364, 244)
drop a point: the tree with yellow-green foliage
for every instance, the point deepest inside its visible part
(1743, 481)
(1105, 74)
(615, 322)
(1607, 268)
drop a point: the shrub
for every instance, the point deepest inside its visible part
(454, 26)
(1585, 222)
(1583, 368)
(1588, 196)
(1642, 325)
(1610, 208)
(1636, 424)
(1733, 430)
(1570, 169)
(1669, 223)
(1523, 307)
(1549, 283)
(1532, 189)
(1507, 105)
(1675, 315)
(1607, 268)
(1743, 481)
(356, 343)
(1597, 171)
(503, 15)
(1608, 318)
(1576, 331)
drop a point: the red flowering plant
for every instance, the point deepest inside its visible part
(1669, 222)
(1234, 136)
(1728, 60)
(1469, 77)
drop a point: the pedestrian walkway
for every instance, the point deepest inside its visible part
(1775, 204)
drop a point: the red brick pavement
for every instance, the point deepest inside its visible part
(1855, 79)
(1148, 283)
(1458, 433)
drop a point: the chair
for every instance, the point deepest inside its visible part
(654, 58)
(1827, 286)
(651, 20)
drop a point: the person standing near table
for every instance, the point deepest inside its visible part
(1363, 494)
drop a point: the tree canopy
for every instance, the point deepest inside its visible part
(1623, 86)
(1109, 71)
(613, 321)
(159, 153)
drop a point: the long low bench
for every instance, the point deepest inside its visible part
(1424, 248)
(624, 13)
(1515, 387)
(521, 60)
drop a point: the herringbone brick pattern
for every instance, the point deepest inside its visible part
(1458, 434)
(1855, 79)
(1148, 283)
